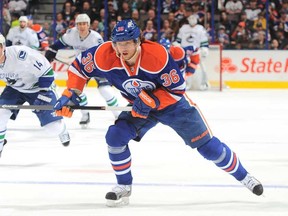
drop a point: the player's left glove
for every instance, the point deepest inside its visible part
(68, 98)
(43, 98)
(144, 103)
(204, 52)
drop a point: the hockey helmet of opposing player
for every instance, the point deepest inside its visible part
(125, 30)
(192, 19)
(166, 43)
(83, 18)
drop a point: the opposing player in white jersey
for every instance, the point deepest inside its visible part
(29, 78)
(194, 39)
(22, 35)
(81, 38)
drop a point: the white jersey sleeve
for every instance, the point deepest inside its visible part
(23, 68)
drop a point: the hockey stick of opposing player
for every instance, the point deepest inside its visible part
(50, 107)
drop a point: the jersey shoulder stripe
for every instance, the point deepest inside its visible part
(154, 57)
(177, 53)
(105, 57)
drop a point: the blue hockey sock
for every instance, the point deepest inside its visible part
(121, 164)
(223, 157)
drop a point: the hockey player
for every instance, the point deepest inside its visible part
(22, 35)
(193, 38)
(177, 53)
(82, 38)
(151, 81)
(41, 35)
(29, 78)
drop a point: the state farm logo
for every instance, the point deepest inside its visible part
(228, 66)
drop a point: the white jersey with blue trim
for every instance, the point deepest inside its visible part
(26, 37)
(72, 38)
(23, 67)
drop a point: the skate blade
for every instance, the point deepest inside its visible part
(118, 203)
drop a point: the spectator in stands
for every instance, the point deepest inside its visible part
(222, 37)
(240, 36)
(144, 6)
(6, 22)
(166, 6)
(166, 31)
(61, 25)
(125, 10)
(180, 13)
(17, 6)
(152, 17)
(95, 26)
(234, 7)
(248, 23)
(284, 6)
(137, 19)
(252, 10)
(224, 21)
(283, 41)
(112, 12)
(102, 20)
(260, 20)
(87, 9)
(67, 12)
(274, 45)
(149, 32)
(172, 21)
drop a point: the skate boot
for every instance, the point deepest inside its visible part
(85, 120)
(118, 196)
(253, 184)
(64, 138)
(5, 141)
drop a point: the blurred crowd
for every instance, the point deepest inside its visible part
(238, 24)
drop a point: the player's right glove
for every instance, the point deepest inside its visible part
(50, 54)
(144, 103)
(68, 98)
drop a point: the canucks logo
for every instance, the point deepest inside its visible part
(134, 86)
(22, 55)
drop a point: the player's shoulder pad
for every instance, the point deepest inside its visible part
(154, 57)
(177, 53)
(105, 57)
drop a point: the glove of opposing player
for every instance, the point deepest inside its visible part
(43, 98)
(144, 103)
(62, 105)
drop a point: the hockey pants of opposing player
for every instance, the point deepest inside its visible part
(192, 128)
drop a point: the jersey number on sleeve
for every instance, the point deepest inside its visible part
(38, 65)
(88, 63)
(170, 78)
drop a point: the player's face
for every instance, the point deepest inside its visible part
(23, 24)
(126, 49)
(83, 28)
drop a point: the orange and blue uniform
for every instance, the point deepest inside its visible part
(155, 81)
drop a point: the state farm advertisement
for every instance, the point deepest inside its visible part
(255, 65)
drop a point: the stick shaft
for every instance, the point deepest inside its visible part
(50, 107)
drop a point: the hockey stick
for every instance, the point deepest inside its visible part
(50, 107)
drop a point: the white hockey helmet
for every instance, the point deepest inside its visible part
(192, 19)
(83, 18)
(23, 18)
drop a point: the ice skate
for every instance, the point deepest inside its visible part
(85, 120)
(5, 141)
(204, 86)
(118, 196)
(253, 184)
(65, 138)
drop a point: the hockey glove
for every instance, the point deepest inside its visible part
(43, 98)
(143, 104)
(50, 54)
(68, 98)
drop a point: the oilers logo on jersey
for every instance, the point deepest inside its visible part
(134, 86)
